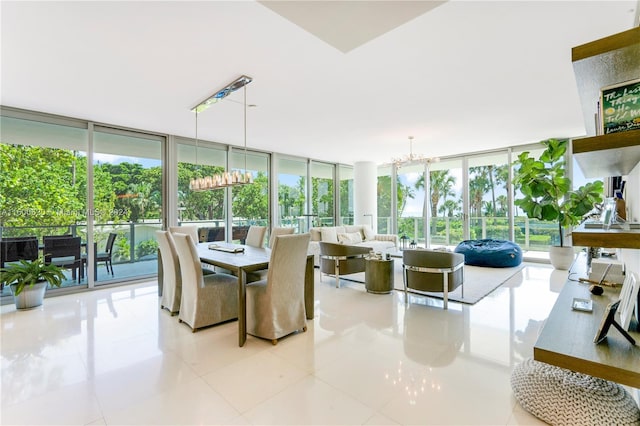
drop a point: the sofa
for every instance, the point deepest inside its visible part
(357, 235)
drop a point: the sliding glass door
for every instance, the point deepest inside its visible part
(127, 196)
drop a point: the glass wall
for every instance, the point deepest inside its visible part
(411, 203)
(43, 185)
(206, 209)
(127, 195)
(250, 203)
(488, 205)
(532, 234)
(292, 198)
(385, 192)
(446, 203)
(345, 217)
(322, 194)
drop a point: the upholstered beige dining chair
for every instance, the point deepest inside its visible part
(171, 278)
(206, 299)
(275, 231)
(255, 236)
(192, 231)
(275, 305)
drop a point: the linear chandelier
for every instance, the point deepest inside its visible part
(228, 178)
(412, 158)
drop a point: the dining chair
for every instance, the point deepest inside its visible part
(275, 231)
(106, 255)
(255, 236)
(171, 275)
(18, 248)
(275, 305)
(206, 299)
(189, 230)
(64, 252)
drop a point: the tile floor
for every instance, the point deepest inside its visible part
(112, 357)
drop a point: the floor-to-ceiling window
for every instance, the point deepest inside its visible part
(292, 190)
(250, 203)
(43, 181)
(446, 203)
(385, 190)
(322, 193)
(345, 216)
(205, 209)
(488, 203)
(532, 234)
(127, 176)
(411, 203)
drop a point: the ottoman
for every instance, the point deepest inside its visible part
(492, 253)
(563, 397)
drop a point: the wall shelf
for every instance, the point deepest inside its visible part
(597, 64)
(614, 238)
(614, 154)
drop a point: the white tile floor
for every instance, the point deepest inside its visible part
(112, 357)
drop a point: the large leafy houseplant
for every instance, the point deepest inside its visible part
(546, 190)
(27, 273)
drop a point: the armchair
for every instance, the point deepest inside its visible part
(432, 271)
(340, 259)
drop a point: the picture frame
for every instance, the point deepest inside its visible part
(619, 109)
(607, 320)
(628, 299)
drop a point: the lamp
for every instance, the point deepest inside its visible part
(228, 178)
(412, 158)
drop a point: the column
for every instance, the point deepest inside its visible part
(365, 203)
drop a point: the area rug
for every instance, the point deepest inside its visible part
(478, 281)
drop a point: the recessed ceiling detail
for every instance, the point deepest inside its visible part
(346, 25)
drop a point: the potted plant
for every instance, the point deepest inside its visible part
(546, 195)
(28, 281)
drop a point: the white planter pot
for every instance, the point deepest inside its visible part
(30, 296)
(561, 257)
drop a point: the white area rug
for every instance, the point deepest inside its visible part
(478, 281)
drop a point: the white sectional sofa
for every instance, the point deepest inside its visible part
(358, 235)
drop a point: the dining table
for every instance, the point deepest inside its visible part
(240, 259)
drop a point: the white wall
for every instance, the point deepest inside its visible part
(631, 257)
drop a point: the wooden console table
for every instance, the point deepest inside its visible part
(566, 339)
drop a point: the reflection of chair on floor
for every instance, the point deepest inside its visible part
(432, 271)
(206, 299)
(64, 252)
(339, 259)
(275, 306)
(171, 276)
(433, 337)
(106, 255)
(255, 236)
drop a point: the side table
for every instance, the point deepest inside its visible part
(378, 276)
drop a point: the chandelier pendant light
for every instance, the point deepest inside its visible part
(228, 178)
(412, 158)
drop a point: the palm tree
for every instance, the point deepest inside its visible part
(442, 184)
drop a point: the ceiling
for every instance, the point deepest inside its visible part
(340, 81)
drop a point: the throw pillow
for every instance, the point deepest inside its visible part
(368, 233)
(349, 237)
(355, 237)
(329, 235)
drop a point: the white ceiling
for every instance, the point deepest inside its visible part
(460, 76)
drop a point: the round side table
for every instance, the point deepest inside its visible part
(378, 276)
